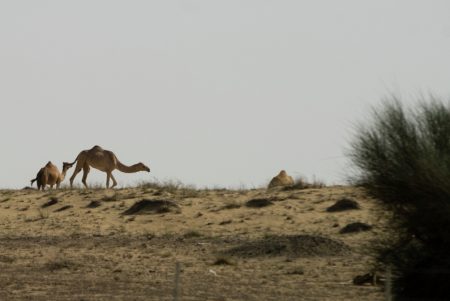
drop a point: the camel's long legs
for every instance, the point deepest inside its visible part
(86, 169)
(114, 181)
(108, 175)
(75, 172)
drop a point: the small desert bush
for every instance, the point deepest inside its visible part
(402, 157)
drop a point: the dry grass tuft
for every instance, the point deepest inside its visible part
(302, 183)
(172, 187)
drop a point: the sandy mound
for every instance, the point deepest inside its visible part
(355, 227)
(343, 204)
(258, 203)
(152, 206)
(292, 246)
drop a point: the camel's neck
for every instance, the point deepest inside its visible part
(62, 175)
(128, 169)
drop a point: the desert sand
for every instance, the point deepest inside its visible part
(124, 244)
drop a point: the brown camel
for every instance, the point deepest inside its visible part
(50, 175)
(282, 179)
(103, 160)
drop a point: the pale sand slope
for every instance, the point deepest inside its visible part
(99, 254)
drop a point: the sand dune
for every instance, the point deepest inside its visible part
(231, 245)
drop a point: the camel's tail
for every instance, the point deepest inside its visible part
(76, 159)
(32, 181)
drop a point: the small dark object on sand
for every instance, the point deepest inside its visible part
(51, 202)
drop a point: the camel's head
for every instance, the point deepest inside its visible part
(143, 167)
(282, 173)
(66, 166)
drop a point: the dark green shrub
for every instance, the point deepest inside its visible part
(402, 158)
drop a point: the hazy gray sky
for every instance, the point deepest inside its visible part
(222, 93)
